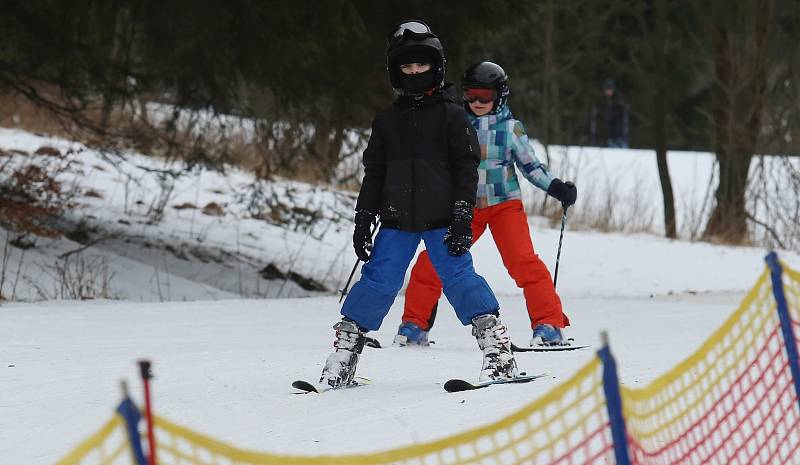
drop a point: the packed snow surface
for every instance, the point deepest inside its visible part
(225, 367)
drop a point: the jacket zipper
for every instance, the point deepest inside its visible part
(413, 168)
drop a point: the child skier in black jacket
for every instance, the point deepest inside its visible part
(420, 177)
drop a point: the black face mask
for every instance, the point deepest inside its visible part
(417, 84)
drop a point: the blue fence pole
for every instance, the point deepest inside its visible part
(789, 340)
(131, 416)
(614, 403)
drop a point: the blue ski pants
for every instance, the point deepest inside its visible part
(382, 278)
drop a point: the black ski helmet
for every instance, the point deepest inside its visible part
(488, 75)
(413, 37)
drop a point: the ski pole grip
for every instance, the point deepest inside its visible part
(144, 368)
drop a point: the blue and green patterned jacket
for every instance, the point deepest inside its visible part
(504, 142)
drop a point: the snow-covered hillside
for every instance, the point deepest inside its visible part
(151, 232)
(168, 235)
(619, 189)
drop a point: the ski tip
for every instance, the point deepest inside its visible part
(458, 385)
(305, 386)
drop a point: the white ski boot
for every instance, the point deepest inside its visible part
(495, 342)
(340, 367)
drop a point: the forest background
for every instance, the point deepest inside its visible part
(290, 88)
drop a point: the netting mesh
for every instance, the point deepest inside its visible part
(732, 402)
(108, 446)
(567, 426)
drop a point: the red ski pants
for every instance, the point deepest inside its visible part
(509, 226)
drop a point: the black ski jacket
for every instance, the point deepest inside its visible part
(422, 156)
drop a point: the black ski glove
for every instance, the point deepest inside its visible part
(564, 192)
(362, 235)
(458, 237)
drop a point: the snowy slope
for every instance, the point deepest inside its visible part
(224, 368)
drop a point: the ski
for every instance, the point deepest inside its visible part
(458, 385)
(374, 343)
(556, 348)
(307, 387)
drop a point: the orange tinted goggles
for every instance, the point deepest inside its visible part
(481, 94)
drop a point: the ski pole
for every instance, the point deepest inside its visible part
(343, 292)
(144, 368)
(560, 240)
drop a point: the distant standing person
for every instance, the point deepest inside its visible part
(609, 119)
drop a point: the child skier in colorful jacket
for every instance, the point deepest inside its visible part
(420, 176)
(503, 143)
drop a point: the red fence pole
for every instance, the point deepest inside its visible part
(147, 375)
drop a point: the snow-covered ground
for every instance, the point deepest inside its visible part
(224, 366)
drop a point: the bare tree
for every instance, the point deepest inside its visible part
(739, 34)
(654, 63)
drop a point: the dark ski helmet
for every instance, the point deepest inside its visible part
(413, 40)
(491, 76)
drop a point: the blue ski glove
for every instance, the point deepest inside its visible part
(362, 234)
(458, 237)
(564, 192)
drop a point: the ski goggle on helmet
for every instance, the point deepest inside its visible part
(479, 94)
(413, 29)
